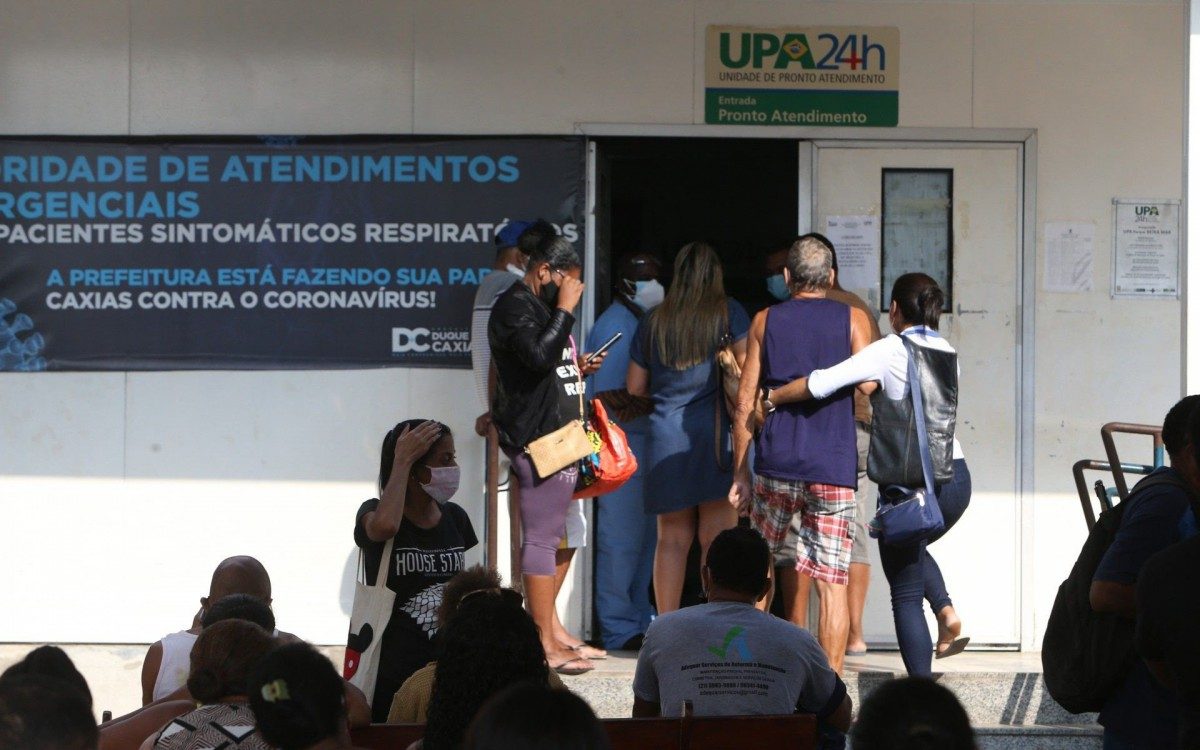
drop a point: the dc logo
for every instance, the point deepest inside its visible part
(406, 340)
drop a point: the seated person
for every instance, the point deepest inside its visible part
(130, 730)
(52, 662)
(165, 668)
(912, 712)
(410, 705)
(489, 644)
(777, 667)
(220, 668)
(532, 717)
(44, 712)
(298, 700)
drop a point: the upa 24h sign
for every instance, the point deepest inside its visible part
(802, 76)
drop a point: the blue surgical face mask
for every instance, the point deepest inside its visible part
(778, 287)
(647, 294)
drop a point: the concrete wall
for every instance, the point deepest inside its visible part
(119, 492)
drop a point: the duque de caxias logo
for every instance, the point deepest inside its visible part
(430, 341)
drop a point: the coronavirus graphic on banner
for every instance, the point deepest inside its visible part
(264, 253)
(20, 345)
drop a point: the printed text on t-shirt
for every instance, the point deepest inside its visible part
(429, 562)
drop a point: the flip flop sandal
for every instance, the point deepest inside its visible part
(595, 653)
(856, 652)
(955, 646)
(566, 669)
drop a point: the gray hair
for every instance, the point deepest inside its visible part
(809, 262)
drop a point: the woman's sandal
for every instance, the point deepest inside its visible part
(946, 649)
(588, 652)
(565, 668)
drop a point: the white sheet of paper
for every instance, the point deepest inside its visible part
(1069, 253)
(856, 239)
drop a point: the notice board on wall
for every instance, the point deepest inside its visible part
(266, 253)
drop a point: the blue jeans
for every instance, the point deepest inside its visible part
(914, 578)
(625, 540)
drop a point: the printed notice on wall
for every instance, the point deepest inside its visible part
(802, 75)
(856, 239)
(1145, 248)
(1069, 251)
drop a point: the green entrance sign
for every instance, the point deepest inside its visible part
(802, 76)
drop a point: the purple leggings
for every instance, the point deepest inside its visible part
(544, 504)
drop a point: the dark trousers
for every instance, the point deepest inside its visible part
(914, 577)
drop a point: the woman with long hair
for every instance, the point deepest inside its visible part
(489, 644)
(418, 474)
(881, 369)
(687, 462)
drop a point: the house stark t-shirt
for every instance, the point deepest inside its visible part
(421, 563)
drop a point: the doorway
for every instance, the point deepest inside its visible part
(649, 192)
(740, 195)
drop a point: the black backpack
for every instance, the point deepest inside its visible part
(1085, 654)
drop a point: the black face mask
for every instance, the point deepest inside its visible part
(549, 294)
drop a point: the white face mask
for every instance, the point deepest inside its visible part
(443, 482)
(648, 294)
(514, 268)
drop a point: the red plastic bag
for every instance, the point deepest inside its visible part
(613, 464)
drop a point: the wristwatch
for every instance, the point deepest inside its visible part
(766, 399)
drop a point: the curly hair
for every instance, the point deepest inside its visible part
(489, 644)
(474, 578)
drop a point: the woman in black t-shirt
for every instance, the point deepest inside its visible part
(418, 475)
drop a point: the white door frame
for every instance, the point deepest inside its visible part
(1024, 139)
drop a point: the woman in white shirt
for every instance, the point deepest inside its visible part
(912, 573)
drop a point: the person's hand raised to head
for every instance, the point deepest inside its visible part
(415, 442)
(570, 291)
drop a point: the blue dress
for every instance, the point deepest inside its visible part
(681, 462)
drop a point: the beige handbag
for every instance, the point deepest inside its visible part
(564, 446)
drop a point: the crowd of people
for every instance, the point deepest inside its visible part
(248, 686)
(776, 487)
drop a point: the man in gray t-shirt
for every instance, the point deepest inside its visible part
(728, 658)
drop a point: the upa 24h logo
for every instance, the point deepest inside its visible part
(763, 49)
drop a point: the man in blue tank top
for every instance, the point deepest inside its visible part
(806, 457)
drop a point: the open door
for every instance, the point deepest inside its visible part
(970, 197)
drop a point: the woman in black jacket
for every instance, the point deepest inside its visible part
(539, 389)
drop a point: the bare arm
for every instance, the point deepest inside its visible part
(643, 709)
(358, 711)
(382, 523)
(739, 492)
(637, 380)
(1113, 598)
(150, 667)
(840, 719)
(857, 368)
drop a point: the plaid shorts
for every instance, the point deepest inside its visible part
(826, 513)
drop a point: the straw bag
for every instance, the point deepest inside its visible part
(564, 446)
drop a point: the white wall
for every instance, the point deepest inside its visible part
(144, 481)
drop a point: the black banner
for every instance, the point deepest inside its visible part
(261, 254)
